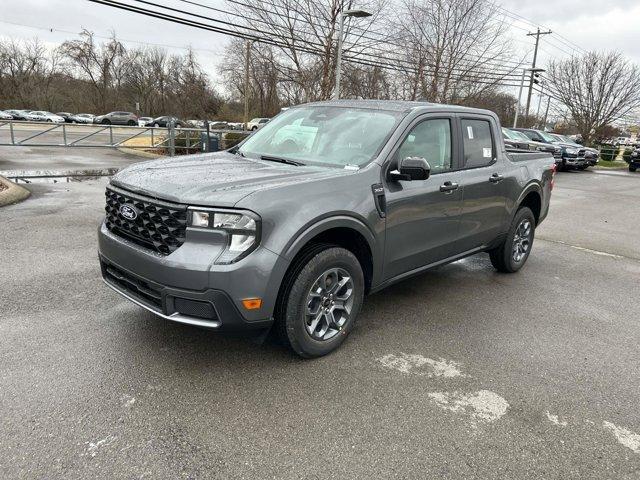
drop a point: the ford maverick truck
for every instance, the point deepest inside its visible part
(326, 203)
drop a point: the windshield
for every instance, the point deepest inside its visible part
(508, 134)
(520, 136)
(323, 135)
(546, 136)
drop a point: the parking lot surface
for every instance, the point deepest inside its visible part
(458, 373)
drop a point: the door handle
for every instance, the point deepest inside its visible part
(495, 178)
(448, 187)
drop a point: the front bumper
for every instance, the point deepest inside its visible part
(187, 287)
(574, 162)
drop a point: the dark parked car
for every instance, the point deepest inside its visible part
(590, 154)
(327, 202)
(117, 118)
(634, 160)
(511, 140)
(164, 122)
(552, 149)
(18, 114)
(66, 115)
(572, 154)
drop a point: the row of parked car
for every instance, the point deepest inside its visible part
(568, 154)
(124, 118)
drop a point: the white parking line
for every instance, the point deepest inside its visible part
(625, 437)
(419, 365)
(482, 406)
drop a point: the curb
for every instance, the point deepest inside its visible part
(13, 194)
(138, 152)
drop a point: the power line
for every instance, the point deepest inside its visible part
(273, 42)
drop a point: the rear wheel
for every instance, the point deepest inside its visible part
(321, 297)
(131, 123)
(512, 254)
(106, 122)
(632, 169)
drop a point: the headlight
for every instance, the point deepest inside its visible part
(572, 151)
(242, 229)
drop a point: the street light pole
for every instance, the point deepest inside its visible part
(345, 13)
(246, 83)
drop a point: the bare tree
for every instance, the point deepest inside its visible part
(454, 48)
(305, 35)
(96, 62)
(595, 88)
(26, 72)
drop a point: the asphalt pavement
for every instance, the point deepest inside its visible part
(459, 373)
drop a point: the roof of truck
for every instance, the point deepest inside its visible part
(396, 105)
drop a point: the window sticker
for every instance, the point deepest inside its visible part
(470, 132)
(486, 152)
(411, 138)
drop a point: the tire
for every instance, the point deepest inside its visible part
(632, 169)
(49, 120)
(156, 125)
(253, 129)
(584, 167)
(106, 122)
(131, 123)
(313, 332)
(504, 258)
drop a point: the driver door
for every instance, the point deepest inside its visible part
(423, 216)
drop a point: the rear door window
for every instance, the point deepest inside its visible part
(479, 149)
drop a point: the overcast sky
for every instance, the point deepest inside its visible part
(590, 24)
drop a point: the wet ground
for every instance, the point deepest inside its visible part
(458, 373)
(41, 161)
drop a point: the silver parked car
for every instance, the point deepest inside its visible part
(117, 118)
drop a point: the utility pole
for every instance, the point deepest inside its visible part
(515, 118)
(533, 65)
(246, 83)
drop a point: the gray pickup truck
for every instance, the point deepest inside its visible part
(326, 203)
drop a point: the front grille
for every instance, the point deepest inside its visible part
(134, 286)
(158, 226)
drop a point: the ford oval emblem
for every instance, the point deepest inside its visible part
(129, 211)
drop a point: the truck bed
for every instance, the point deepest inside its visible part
(517, 155)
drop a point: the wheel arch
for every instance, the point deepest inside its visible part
(530, 197)
(340, 230)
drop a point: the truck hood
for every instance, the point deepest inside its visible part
(213, 179)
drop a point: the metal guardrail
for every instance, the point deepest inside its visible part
(171, 139)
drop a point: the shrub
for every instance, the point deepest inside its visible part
(608, 154)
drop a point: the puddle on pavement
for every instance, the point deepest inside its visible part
(57, 176)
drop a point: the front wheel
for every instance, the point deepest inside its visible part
(512, 254)
(320, 300)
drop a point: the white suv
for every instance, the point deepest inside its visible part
(257, 123)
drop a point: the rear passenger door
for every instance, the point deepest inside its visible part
(483, 183)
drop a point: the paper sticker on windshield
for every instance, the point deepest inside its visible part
(486, 152)
(470, 132)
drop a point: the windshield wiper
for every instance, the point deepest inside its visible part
(280, 160)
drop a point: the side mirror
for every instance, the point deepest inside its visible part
(411, 168)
